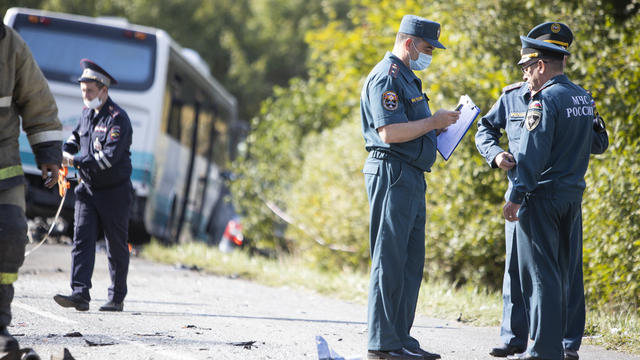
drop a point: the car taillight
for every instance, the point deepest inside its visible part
(233, 232)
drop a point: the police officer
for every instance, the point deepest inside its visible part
(545, 199)
(400, 135)
(508, 113)
(101, 144)
(24, 92)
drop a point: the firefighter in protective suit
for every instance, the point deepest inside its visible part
(24, 92)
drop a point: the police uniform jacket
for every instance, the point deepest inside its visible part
(24, 92)
(555, 143)
(508, 113)
(392, 94)
(102, 146)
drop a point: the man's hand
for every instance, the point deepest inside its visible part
(505, 161)
(51, 179)
(510, 211)
(67, 159)
(442, 118)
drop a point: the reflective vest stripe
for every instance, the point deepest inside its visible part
(44, 137)
(8, 278)
(11, 171)
(5, 101)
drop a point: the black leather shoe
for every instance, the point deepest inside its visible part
(401, 354)
(112, 306)
(505, 350)
(425, 354)
(523, 356)
(75, 300)
(7, 342)
(571, 354)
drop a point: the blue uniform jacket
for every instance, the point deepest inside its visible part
(508, 113)
(392, 93)
(555, 143)
(102, 145)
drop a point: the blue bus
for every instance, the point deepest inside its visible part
(185, 123)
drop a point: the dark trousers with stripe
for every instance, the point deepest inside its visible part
(545, 246)
(107, 210)
(396, 192)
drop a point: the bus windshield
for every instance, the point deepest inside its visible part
(59, 47)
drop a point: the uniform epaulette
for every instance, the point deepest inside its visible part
(394, 70)
(113, 111)
(512, 86)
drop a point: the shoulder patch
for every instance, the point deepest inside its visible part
(534, 114)
(115, 133)
(394, 70)
(512, 86)
(390, 100)
(113, 111)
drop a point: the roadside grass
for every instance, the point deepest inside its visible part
(468, 304)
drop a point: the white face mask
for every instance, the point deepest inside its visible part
(423, 61)
(95, 103)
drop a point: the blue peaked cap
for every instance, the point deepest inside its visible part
(552, 32)
(532, 48)
(421, 27)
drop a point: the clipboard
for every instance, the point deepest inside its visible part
(449, 140)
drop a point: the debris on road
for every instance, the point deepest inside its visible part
(246, 344)
(327, 353)
(73, 334)
(93, 343)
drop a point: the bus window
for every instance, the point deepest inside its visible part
(205, 138)
(59, 47)
(174, 123)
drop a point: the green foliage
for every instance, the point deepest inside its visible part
(250, 45)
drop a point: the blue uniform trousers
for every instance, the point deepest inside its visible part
(545, 243)
(396, 192)
(514, 330)
(106, 209)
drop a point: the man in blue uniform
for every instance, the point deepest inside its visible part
(101, 144)
(546, 196)
(400, 135)
(508, 113)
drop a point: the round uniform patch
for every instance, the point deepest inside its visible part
(390, 100)
(555, 28)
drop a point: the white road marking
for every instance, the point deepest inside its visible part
(43, 313)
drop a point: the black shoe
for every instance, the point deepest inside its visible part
(523, 356)
(506, 350)
(425, 354)
(75, 300)
(571, 354)
(112, 306)
(7, 342)
(401, 354)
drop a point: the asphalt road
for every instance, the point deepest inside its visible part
(176, 313)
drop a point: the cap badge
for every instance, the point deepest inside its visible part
(438, 34)
(555, 28)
